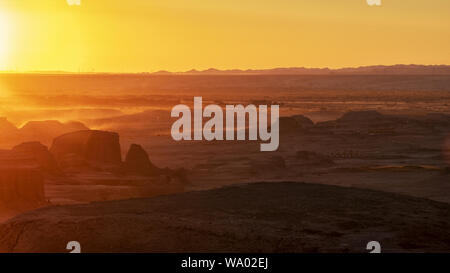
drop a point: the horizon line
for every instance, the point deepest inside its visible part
(229, 71)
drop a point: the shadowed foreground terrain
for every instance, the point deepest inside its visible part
(262, 217)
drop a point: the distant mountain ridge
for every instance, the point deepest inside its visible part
(399, 69)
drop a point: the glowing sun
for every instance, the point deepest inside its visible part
(4, 39)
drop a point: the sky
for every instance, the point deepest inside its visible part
(179, 35)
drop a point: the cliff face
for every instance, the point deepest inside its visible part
(95, 147)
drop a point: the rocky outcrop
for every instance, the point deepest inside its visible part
(46, 131)
(297, 123)
(137, 161)
(40, 153)
(95, 147)
(303, 121)
(50, 128)
(42, 131)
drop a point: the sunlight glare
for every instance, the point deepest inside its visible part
(4, 39)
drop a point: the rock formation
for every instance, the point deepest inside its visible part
(38, 152)
(303, 121)
(295, 123)
(95, 147)
(137, 161)
(47, 130)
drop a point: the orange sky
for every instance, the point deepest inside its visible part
(177, 35)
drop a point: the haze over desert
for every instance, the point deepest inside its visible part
(216, 136)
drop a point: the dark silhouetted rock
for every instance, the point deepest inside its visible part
(288, 125)
(295, 123)
(95, 147)
(303, 121)
(137, 161)
(40, 153)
